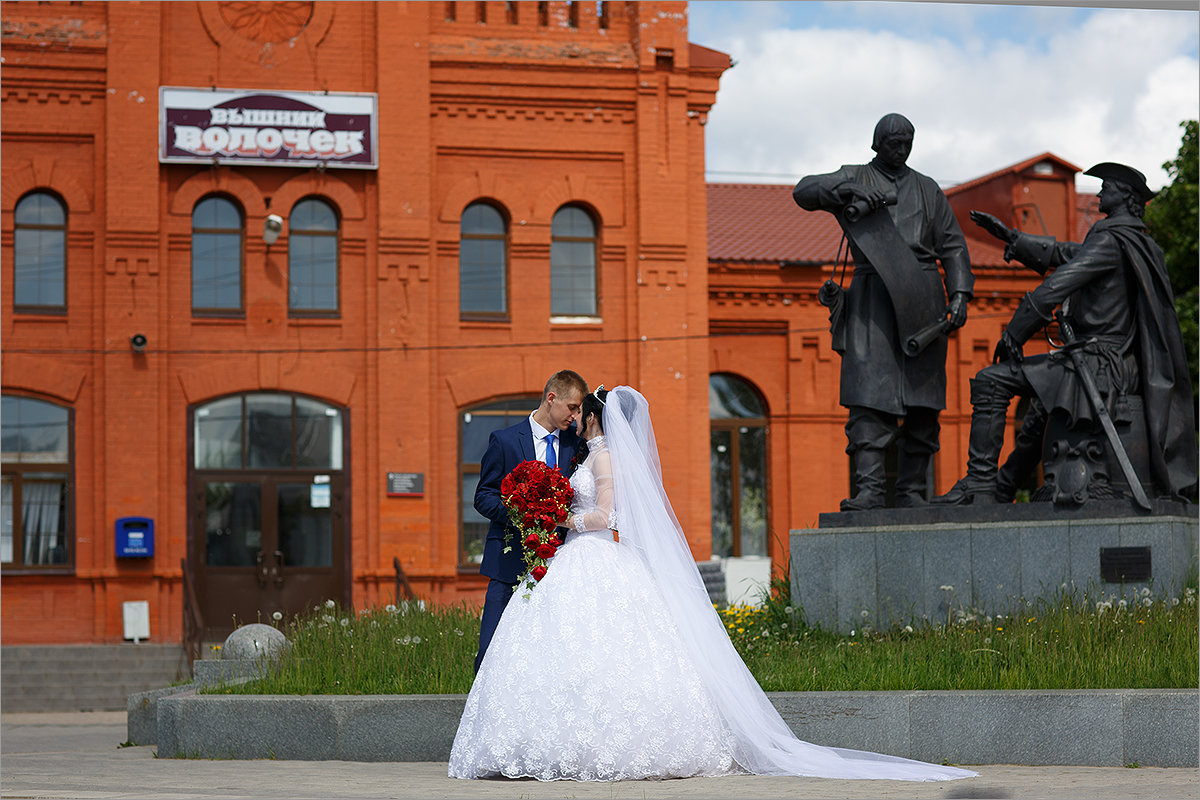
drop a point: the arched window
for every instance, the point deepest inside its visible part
(738, 453)
(572, 263)
(40, 253)
(35, 522)
(267, 430)
(313, 258)
(483, 262)
(216, 256)
(476, 425)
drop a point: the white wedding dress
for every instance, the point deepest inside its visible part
(618, 667)
(587, 679)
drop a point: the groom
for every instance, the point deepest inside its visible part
(548, 435)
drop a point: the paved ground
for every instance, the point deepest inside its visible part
(78, 755)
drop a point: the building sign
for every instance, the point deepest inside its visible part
(279, 129)
(405, 484)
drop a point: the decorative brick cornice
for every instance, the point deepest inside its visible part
(530, 250)
(84, 95)
(131, 239)
(403, 246)
(743, 297)
(526, 113)
(662, 252)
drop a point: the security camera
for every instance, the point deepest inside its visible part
(271, 228)
(138, 342)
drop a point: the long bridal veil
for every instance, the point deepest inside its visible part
(763, 743)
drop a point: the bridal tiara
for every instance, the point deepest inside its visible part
(597, 396)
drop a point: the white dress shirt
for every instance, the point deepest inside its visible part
(539, 441)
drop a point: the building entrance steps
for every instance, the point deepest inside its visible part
(85, 677)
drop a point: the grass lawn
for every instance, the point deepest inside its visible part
(1074, 641)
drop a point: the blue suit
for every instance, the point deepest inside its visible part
(506, 448)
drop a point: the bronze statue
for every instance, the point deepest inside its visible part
(1121, 344)
(891, 329)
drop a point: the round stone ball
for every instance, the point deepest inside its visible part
(254, 641)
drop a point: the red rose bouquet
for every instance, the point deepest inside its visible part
(538, 498)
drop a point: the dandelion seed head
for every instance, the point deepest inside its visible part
(389, 608)
(278, 615)
(330, 604)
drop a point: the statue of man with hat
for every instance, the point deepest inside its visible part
(1117, 303)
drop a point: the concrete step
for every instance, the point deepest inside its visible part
(85, 677)
(68, 651)
(20, 679)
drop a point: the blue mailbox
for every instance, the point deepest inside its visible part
(135, 537)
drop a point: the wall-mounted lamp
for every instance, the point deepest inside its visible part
(137, 342)
(271, 228)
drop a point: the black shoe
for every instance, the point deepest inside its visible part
(911, 500)
(863, 501)
(1005, 492)
(961, 494)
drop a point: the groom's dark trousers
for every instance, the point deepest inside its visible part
(506, 448)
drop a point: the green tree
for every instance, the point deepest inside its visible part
(1173, 218)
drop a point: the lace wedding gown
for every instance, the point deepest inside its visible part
(587, 679)
(618, 667)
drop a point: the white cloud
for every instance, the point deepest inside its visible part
(799, 101)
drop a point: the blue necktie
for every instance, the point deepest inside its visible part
(551, 456)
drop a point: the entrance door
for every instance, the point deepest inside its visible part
(266, 540)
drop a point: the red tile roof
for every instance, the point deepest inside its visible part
(761, 222)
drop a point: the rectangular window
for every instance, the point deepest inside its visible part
(573, 278)
(313, 275)
(39, 277)
(35, 502)
(216, 271)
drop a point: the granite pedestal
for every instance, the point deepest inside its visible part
(905, 566)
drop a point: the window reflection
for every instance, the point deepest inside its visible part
(40, 252)
(572, 263)
(265, 430)
(738, 454)
(476, 425)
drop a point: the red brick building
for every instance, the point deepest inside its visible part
(273, 271)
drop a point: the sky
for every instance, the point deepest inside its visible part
(986, 85)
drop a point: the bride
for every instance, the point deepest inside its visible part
(616, 666)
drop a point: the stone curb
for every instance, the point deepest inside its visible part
(1117, 727)
(142, 708)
